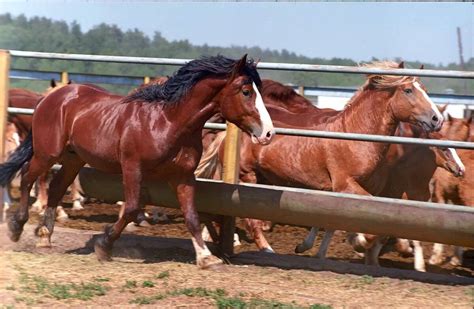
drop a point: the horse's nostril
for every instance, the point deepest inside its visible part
(435, 118)
(269, 134)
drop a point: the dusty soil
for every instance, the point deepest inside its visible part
(159, 271)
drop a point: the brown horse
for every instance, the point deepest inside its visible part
(447, 188)
(411, 168)
(154, 133)
(24, 98)
(342, 166)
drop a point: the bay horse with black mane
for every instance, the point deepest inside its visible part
(154, 133)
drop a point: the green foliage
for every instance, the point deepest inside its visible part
(148, 284)
(163, 275)
(46, 35)
(130, 284)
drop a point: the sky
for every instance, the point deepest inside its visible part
(412, 31)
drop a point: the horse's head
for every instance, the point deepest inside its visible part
(241, 103)
(447, 158)
(409, 101)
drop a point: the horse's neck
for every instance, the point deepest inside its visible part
(368, 113)
(198, 105)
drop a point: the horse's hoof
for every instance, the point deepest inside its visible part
(455, 261)
(267, 250)
(210, 262)
(61, 215)
(44, 235)
(43, 242)
(144, 223)
(37, 207)
(76, 205)
(434, 260)
(14, 230)
(102, 250)
(300, 248)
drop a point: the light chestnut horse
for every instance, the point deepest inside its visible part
(450, 189)
(411, 168)
(342, 166)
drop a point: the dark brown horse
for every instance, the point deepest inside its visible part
(154, 133)
(342, 166)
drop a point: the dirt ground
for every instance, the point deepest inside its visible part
(159, 271)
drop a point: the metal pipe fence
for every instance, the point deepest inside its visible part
(261, 65)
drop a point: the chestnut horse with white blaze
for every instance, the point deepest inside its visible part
(341, 166)
(154, 133)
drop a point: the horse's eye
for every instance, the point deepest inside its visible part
(408, 91)
(246, 92)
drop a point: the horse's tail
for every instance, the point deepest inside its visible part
(210, 158)
(20, 156)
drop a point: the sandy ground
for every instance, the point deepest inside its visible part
(160, 272)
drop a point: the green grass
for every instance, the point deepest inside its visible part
(130, 284)
(222, 299)
(163, 275)
(148, 284)
(41, 286)
(366, 279)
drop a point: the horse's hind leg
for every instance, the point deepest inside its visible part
(308, 242)
(77, 198)
(58, 186)
(29, 173)
(254, 226)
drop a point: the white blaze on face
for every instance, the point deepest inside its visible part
(266, 121)
(457, 159)
(427, 98)
(16, 138)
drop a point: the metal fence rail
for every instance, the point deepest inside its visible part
(342, 92)
(261, 65)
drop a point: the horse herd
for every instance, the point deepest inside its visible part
(157, 132)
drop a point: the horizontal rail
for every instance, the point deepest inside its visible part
(438, 98)
(326, 134)
(424, 221)
(361, 137)
(261, 65)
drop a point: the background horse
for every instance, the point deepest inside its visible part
(449, 189)
(342, 166)
(154, 133)
(23, 98)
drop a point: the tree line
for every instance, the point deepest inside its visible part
(46, 35)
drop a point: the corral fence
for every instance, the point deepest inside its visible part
(414, 220)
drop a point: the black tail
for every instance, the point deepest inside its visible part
(22, 154)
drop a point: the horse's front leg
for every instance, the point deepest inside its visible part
(185, 191)
(132, 178)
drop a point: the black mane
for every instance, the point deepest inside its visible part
(187, 76)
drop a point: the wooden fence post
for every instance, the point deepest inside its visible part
(146, 79)
(4, 86)
(64, 78)
(230, 174)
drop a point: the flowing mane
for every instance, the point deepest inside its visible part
(178, 85)
(379, 81)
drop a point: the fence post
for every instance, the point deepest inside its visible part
(146, 79)
(4, 86)
(230, 174)
(64, 78)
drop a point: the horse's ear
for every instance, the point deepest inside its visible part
(442, 109)
(422, 67)
(469, 118)
(401, 65)
(52, 84)
(69, 82)
(450, 118)
(239, 67)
